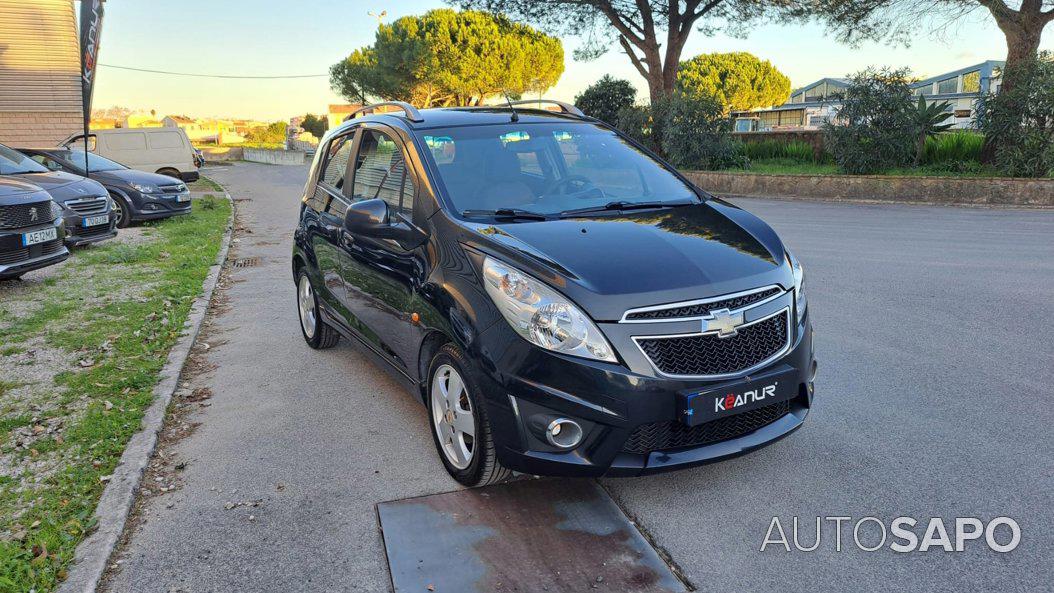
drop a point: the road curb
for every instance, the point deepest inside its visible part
(111, 514)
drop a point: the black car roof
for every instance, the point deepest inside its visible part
(443, 117)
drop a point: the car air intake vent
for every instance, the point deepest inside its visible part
(707, 354)
(668, 436)
(23, 215)
(700, 310)
(88, 205)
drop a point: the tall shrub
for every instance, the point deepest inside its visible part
(874, 128)
(690, 131)
(605, 98)
(1020, 120)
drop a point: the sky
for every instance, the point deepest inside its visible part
(276, 37)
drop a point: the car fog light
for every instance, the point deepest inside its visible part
(564, 433)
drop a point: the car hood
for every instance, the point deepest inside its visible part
(13, 191)
(608, 264)
(65, 186)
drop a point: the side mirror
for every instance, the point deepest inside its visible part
(367, 217)
(370, 218)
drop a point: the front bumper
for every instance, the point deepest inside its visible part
(77, 234)
(155, 206)
(15, 259)
(610, 402)
(189, 176)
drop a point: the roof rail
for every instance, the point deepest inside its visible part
(565, 107)
(412, 113)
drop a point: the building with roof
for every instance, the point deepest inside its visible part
(336, 113)
(40, 81)
(810, 106)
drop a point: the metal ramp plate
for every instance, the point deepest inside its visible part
(535, 535)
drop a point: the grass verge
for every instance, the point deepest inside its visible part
(204, 184)
(102, 325)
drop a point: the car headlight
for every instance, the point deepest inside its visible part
(541, 315)
(145, 188)
(800, 302)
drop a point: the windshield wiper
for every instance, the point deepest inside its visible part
(622, 205)
(508, 213)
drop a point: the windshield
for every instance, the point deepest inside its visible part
(547, 168)
(13, 162)
(95, 162)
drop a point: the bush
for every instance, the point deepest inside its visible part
(605, 98)
(691, 132)
(1019, 120)
(874, 130)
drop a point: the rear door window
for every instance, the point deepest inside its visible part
(328, 193)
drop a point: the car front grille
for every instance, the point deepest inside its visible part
(671, 435)
(33, 251)
(22, 215)
(172, 189)
(95, 205)
(698, 355)
(702, 309)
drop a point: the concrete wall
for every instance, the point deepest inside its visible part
(273, 157)
(939, 190)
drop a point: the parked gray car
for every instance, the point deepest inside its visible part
(31, 229)
(137, 195)
(86, 206)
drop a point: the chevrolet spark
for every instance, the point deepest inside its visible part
(562, 301)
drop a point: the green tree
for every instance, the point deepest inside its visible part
(605, 98)
(652, 33)
(269, 134)
(445, 57)
(874, 129)
(1021, 21)
(737, 80)
(1020, 119)
(316, 124)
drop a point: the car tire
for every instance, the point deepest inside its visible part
(123, 211)
(317, 333)
(480, 467)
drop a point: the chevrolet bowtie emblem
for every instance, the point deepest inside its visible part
(723, 322)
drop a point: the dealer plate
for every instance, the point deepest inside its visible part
(34, 237)
(699, 406)
(96, 220)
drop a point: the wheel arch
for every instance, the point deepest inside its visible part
(429, 347)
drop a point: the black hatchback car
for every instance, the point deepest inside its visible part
(86, 206)
(137, 195)
(561, 300)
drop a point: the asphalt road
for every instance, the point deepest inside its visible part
(934, 336)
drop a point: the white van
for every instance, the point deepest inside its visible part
(155, 150)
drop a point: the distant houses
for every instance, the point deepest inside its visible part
(810, 106)
(336, 113)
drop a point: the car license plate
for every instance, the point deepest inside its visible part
(96, 220)
(699, 406)
(183, 198)
(34, 237)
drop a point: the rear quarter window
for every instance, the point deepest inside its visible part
(126, 141)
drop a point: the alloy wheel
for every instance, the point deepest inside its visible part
(118, 212)
(452, 416)
(306, 302)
